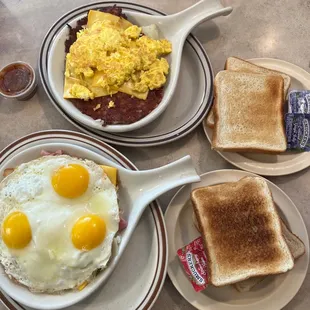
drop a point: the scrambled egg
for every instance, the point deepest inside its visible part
(111, 104)
(110, 55)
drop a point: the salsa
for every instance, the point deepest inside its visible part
(15, 78)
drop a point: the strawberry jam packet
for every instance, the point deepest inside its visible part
(194, 262)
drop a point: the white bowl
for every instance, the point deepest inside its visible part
(56, 63)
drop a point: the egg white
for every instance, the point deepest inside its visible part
(50, 262)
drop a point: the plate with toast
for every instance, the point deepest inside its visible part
(254, 239)
(246, 122)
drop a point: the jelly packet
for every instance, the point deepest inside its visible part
(194, 262)
(299, 101)
(298, 131)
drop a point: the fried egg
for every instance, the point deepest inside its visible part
(59, 216)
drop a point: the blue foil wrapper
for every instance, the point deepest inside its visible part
(298, 131)
(299, 101)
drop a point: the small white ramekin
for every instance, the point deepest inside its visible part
(29, 91)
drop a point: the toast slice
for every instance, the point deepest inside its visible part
(210, 118)
(241, 230)
(249, 113)
(240, 65)
(296, 247)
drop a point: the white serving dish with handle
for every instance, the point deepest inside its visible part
(174, 28)
(136, 190)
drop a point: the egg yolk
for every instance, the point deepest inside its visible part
(16, 230)
(88, 232)
(70, 181)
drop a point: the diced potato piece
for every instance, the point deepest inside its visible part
(7, 171)
(111, 173)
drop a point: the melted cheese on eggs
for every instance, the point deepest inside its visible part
(110, 55)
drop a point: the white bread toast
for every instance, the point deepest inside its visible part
(249, 113)
(209, 120)
(240, 65)
(296, 247)
(241, 230)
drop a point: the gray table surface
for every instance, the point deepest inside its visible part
(256, 28)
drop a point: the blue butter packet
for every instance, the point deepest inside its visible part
(298, 131)
(299, 101)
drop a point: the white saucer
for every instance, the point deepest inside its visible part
(141, 271)
(273, 293)
(272, 165)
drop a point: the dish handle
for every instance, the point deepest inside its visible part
(183, 22)
(145, 186)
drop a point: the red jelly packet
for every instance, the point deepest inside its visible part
(194, 261)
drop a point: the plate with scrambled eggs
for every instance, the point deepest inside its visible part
(108, 75)
(115, 72)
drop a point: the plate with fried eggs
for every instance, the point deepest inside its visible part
(61, 218)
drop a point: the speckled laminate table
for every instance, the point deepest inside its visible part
(256, 28)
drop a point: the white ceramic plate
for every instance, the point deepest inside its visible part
(265, 164)
(188, 107)
(273, 293)
(130, 286)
